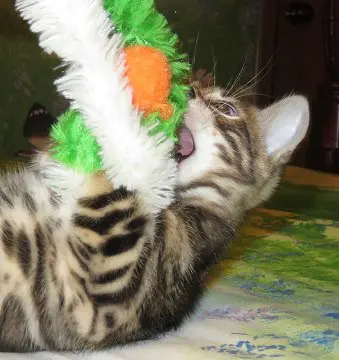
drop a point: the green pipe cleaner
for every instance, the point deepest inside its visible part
(140, 24)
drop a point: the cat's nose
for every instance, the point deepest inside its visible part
(191, 93)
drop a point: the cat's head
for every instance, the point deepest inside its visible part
(245, 147)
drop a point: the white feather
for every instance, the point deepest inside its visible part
(81, 34)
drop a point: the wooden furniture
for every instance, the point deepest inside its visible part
(299, 44)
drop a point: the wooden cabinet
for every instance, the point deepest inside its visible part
(329, 155)
(299, 43)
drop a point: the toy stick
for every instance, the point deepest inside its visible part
(98, 45)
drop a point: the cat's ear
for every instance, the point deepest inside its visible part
(284, 125)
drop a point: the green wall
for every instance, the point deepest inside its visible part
(26, 76)
(217, 34)
(227, 36)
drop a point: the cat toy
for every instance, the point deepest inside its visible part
(154, 69)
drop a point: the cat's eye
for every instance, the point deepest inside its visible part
(225, 108)
(191, 93)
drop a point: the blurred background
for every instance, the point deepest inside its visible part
(288, 46)
(221, 35)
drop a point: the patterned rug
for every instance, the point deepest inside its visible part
(278, 290)
(276, 296)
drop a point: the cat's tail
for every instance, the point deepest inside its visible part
(80, 33)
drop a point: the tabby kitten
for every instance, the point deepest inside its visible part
(91, 266)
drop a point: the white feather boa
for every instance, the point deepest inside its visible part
(81, 34)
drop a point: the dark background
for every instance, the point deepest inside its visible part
(218, 34)
(301, 41)
(291, 46)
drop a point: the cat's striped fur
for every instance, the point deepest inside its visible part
(93, 267)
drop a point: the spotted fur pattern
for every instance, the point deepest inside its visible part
(93, 268)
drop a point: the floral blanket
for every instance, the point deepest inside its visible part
(276, 296)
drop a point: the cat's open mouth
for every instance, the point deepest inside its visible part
(186, 146)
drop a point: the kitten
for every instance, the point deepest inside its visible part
(91, 266)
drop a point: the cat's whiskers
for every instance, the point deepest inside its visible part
(256, 78)
(238, 77)
(195, 51)
(250, 84)
(254, 94)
